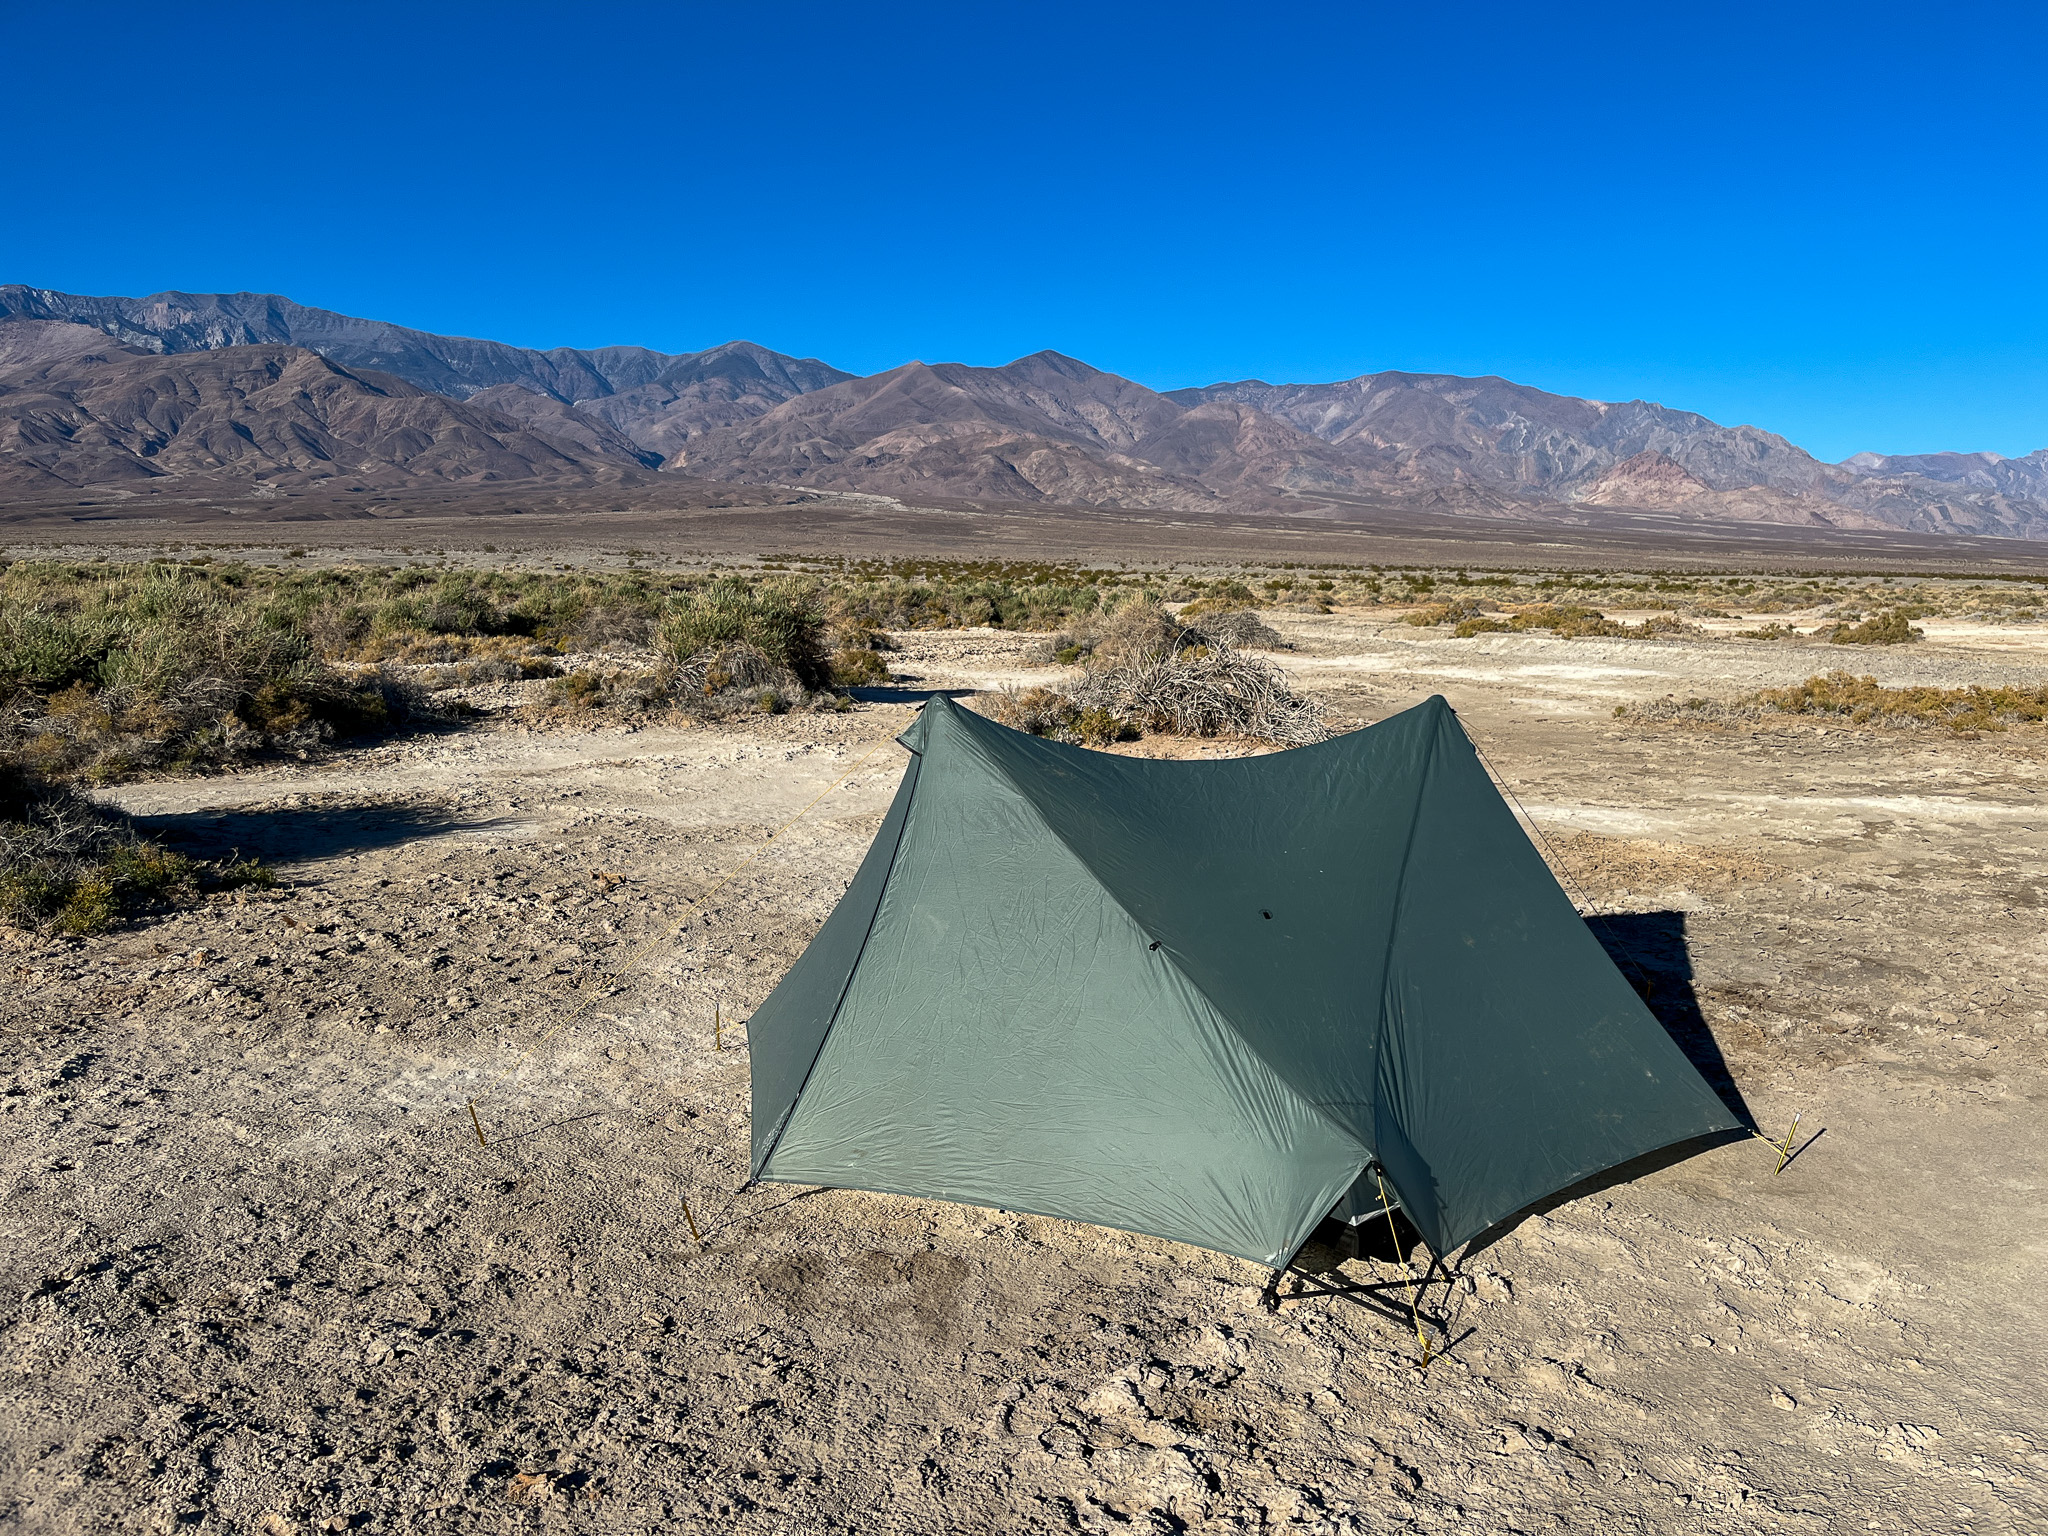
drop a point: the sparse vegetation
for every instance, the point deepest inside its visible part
(1846, 698)
(1888, 628)
(1143, 669)
(783, 626)
(1140, 628)
(1047, 712)
(163, 670)
(109, 670)
(1236, 627)
(68, 865)
(1205, 691)
(855, 666)
(1472, 616)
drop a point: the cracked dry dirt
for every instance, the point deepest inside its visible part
(259, 1276)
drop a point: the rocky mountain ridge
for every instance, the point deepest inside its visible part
(657, 399)
(271, 418)
(1043, 428)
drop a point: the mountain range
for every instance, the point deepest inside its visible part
(254, 392)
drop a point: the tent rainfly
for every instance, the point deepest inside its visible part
(1203, 1000)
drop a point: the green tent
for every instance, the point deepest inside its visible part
(1203, 999)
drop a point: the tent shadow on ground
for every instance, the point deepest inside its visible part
(908, 695)
(1624, 1173)
(1652, 952)
(290, 834)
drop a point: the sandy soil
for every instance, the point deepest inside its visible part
(260, 1277)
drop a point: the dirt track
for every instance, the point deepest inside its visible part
(259, 1276)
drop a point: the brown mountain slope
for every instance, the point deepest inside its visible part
(457, 366)
(24, 343)
(1045, 427)
(700, 393)
(1438, 428)
(271, 415)
(1652, 482)
(563, 423)
(1442, 429)
(1035, 435)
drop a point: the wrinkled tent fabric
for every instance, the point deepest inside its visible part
(1199, 999)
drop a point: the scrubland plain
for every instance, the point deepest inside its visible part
(261, 1275)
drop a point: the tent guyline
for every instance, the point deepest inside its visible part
(1211, 1001)
(638, 956)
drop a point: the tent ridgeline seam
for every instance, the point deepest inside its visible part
(915, 769)
(1379, 1042)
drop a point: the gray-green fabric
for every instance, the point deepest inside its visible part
(1197, 999)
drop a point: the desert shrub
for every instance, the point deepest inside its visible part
(734, 679)
(858, 637)
(625, 691)
(1145, 669)
(1467, 628)
(1130, 629)
(1772, 631)
(484, 658)
(857, 666)
(1862, 701)
(608, 626)
(1568, 621)
(1037, 711)
(1205, 691)
(1432, 614)
(1138, 631)
(512, 667)
(945, 602)
(1098, 727)
(1226, 596)
(1887, 628)
(577, 690)
(784, 625)
(453, 605)
(169, 671)
(1849, 699)
(71, 866)
(1047, 712)
(1236, 626)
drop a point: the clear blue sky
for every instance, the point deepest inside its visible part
(1826, 220)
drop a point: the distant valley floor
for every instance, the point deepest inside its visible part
(683, 519)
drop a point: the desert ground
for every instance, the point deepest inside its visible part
(261, 1277)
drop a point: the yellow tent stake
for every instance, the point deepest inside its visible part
(1785, 1151)
(478, 1124)
(717, 1028)
(1414, 1311)
(692, 1221)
